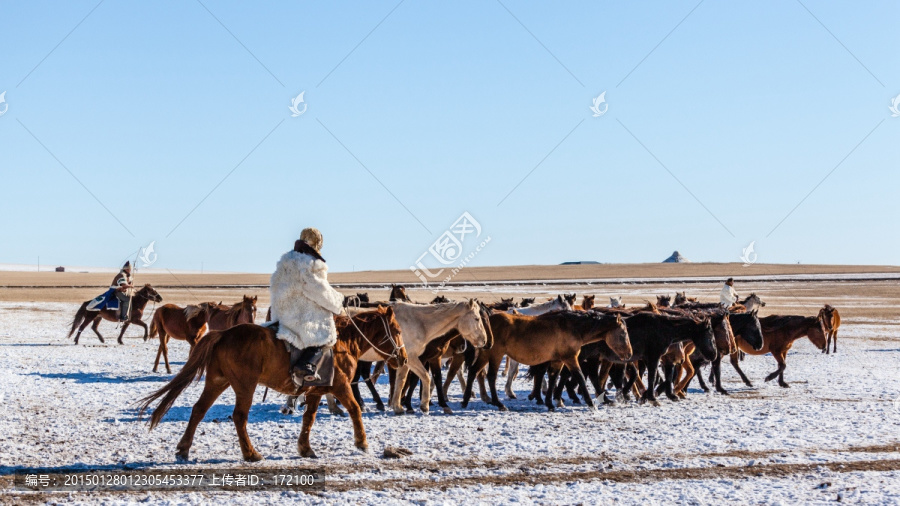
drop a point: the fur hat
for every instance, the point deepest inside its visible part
(127, 265)
(312, 237)
(729, 281)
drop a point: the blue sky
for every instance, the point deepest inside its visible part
(722, 118)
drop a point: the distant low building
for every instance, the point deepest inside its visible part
(581, 262)
(676, 258)
(60, 269)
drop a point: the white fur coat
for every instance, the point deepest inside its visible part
(303, 302)
(727, 297)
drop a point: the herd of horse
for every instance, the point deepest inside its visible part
(646, 351)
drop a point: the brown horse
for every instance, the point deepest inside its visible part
(248, 355)
(779, 334)
(398, 292)
(184, 324)
(587, 303)
(832, 319)
(83, 317)
(555, 337)
(223, 317)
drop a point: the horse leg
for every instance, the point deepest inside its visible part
(575, 371)
(689, 373)
(474, 369)
(243, 401)
(537, 373)
(84, 324)
(439, 386)
(551, 387)
(142, 325)
(354, 384)
(309, 417)
(409, 389)
(571, 384)
(215, 385)
(834, 339)
(425, 378)
(734, 363)
(493, 369)
(779, 372)
(343, 392)
(399, 383)
(511, 373)
(366, 374)
(165, 350)
(650, 392)
(669, 381)
(483, 390)
(717, 369)
(453, 368)
(162, 343)
(96, 323)
(290, 404)
(781, 366)
(122, 332)
(333, 407)
(561, 379)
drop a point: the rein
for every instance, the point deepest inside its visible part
(387, 336)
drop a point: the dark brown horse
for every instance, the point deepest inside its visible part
(248, 355)
(184, 324)
(555, 337)
(398, 292)
(779, 334)
(83, 317)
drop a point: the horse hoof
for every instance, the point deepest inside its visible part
(363, 448)
(182, 457)
(253, 457)
(380, 407)
(784, 385)
(511, 395)
(503, 408)
(551, 408)
(560, 403)
(530, 397)
(448, 411)
(308, 454)
(287, 411)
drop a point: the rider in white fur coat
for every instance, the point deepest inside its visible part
(303, 303)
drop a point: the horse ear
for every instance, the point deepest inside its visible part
(255, 297)
(388, 311)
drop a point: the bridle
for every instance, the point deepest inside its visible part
(388, 336)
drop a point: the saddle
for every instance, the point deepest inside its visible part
(324, 361)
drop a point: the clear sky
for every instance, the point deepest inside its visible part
(724, 123)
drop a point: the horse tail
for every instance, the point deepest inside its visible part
(154, 325)
(197, 363)
(79, 316)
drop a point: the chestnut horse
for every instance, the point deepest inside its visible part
(185, 324)
(779, 334)
(832, 320)
(223, 317)
(83, 317)
(555, 337)
(248, 355)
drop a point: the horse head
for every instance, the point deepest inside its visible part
(471, 325)
(587, 302)
(616, 302)
(363, 297)
(570, 298)
(150, 293)
(619, 341)
(663, 300)
(248, 307)
(705, 341)
(818, 332)
(526, 301)
(397, 356)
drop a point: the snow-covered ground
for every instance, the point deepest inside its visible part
(834, 435)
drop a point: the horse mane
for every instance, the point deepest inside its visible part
(192, 311)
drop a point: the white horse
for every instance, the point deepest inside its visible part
(512, 367)
(422, 324)
(616, 302)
